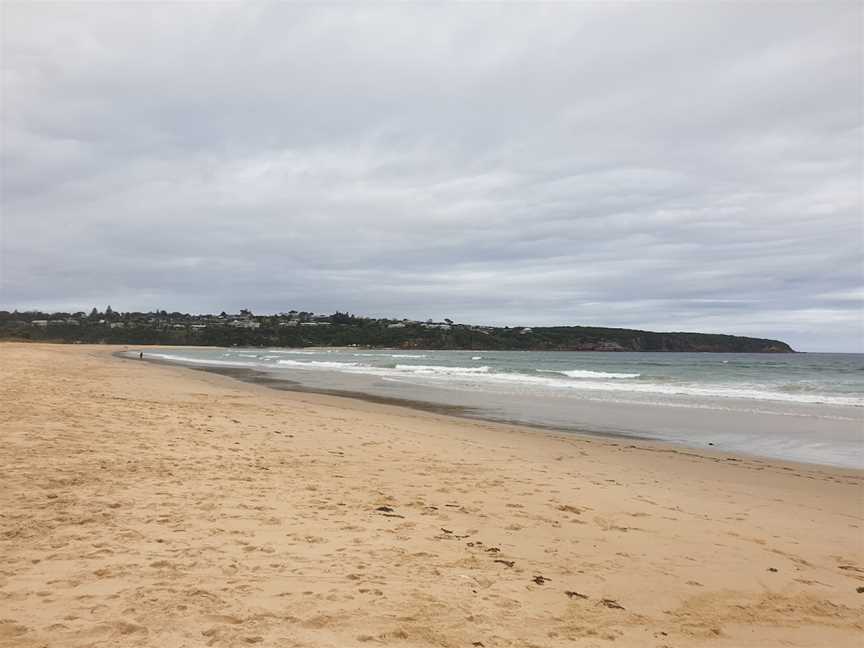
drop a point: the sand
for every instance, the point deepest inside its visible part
(147, 505)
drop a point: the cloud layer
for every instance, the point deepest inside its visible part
(674, 168)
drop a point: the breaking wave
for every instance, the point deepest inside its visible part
(518, 379)
(441, 369)
(584, 373)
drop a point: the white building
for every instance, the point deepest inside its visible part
(247, 324)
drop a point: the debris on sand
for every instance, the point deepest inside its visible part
(449, 535)
(387, 511)
(611, 603)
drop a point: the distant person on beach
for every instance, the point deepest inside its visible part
(141, 355)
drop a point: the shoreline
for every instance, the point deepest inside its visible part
(255, 376)
(146, 505)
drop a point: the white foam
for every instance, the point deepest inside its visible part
(202, 361)
(389, 355)
(482, 375)
(584, 373)
(441, 370)
(316, 364)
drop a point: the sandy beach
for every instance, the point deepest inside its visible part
(150, 505)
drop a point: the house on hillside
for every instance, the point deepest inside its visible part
(244, 323)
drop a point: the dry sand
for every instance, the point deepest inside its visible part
(145, 505)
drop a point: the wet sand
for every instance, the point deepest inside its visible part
(462, 411)
(150, 505)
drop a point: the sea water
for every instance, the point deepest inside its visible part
(805, 407)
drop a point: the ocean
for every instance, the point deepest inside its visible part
(805, 407)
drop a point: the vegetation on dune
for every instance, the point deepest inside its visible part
(301, 329)
(304, 329)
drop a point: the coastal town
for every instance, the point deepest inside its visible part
(245, 319)
(296, 328)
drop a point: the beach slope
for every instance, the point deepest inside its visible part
(148, 505)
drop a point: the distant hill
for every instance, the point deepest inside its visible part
(341, 329)
(586, 338)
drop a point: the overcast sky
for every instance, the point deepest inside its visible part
(669, 167)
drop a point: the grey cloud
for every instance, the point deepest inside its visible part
(678, 167)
